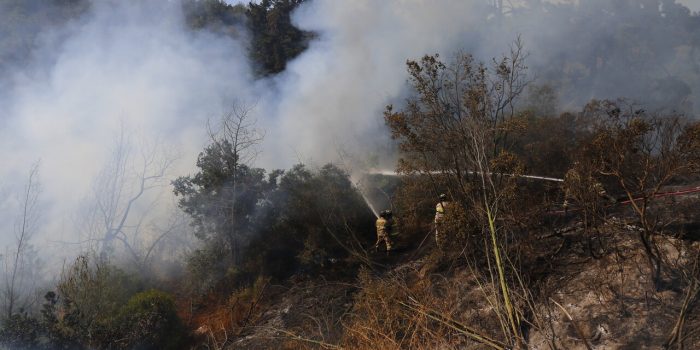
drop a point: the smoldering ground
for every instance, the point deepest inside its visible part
(133, 68)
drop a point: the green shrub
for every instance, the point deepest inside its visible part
(150, 321)
(91, 294)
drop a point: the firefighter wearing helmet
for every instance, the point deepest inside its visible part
(440, 210)
(583, 188)
(384, 227)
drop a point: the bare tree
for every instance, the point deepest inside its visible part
(641, 153)
(125, 196)
(456, 132)
(18, 258)
(237, 127)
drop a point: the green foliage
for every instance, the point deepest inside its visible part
(310, 218)
(57, 335)
(275, 40)
(98, 307)
(208, 266)
(287, 221)
(221, 196)
(90, 297)
(92, 294)
(150, 321)
(221, 199)
(214, 15)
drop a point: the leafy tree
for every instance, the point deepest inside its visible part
(254, 223)
(302, 219)
(308, 220)
(223, 195)
(215, 15)
(275, 40)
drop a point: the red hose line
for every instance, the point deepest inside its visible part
(667, 194)
(658, 195)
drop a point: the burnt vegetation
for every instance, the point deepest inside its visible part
(601, 248)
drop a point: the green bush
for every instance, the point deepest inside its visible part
(91, 293)
(98, 306)
(150, 321)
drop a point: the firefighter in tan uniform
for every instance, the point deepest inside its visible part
(440, 210)
(574, 184)
(572, 181)
(384, 224)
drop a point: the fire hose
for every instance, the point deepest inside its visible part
(681, 192)
(685, 191)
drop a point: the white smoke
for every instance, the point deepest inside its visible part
(135, 65)
(332, 97)
(129, 65)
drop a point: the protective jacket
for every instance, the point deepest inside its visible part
(440, 209)
(384, 227)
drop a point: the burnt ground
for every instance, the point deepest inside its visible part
(601, 276)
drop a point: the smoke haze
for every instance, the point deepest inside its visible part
(117, 69)
(134, 67)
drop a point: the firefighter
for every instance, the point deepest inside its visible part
(440, 210)
(384, 226)
(572, 180)
(574, 183)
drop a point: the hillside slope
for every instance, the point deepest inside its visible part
(590, 289)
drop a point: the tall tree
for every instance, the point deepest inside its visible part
(222, 196)
(275, 40)
(455, 131)
(120, 210)
(215, 15)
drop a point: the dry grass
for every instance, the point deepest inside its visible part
(406, 309)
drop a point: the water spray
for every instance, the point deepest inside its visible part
(534, 177)
(369, 204)
(367, 201)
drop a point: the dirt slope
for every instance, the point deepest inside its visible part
(604, 283)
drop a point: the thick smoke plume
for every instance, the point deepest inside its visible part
(134, 68)
(331, 97)
(124, 68)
